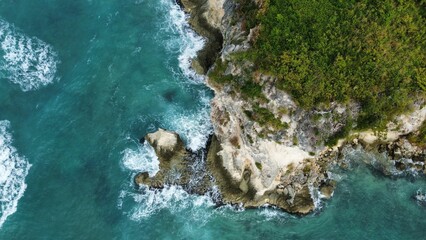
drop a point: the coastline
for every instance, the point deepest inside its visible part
(248, 168)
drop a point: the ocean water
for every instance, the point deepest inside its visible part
(82, 81)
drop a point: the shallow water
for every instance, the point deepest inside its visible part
(81, 81)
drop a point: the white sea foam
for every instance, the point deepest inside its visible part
(316, 197)
(271, 213)
(26, 61)
(187, 42)
(151, 201)
(13, 170)
(170, 198)
(143, 159)
(193, 127)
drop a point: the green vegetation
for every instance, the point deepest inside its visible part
(420, 138)
(251, 90)
(217, 75)
(342, 133)
(373, 52)
(247, 10)
(295, 140)
(244, 84)
(258, 165)
(264, 117)
(307, 169)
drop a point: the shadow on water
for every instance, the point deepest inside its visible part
(169, 95)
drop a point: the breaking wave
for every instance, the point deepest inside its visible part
(142, 159)
(171, 198)
(26, 61)
(184, 40)
(193, 127)
(13, 170)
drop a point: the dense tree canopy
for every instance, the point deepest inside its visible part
(333, 50)
(373, 52)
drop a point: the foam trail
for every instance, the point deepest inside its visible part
(26, 61)
(194, 127)
(151, 201)
(13, 170)
(185, 40)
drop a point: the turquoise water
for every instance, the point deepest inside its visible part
(81, 81)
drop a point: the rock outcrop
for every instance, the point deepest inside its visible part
(283, 162)
(172, 156)
(205, 18)
(176, 164)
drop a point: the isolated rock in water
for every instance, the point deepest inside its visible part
(166, 144)
(172, 156)
(178, 166)
(327, 189)
(141, 177)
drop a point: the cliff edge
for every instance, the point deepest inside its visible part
(267, 148)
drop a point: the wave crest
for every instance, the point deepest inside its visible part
(26, 61)
(13, 170)
(143, 159)
(184, 39)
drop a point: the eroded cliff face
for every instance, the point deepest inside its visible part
(205, 18)
(252, 164)
(282, 161)
(266, 149)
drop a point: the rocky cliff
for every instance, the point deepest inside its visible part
(266, 149)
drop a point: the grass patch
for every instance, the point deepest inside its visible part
(217, 75)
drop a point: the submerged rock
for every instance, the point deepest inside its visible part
(420, 197)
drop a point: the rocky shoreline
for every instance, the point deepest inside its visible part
(253, 164)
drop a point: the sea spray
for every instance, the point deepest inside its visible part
(143, 159)
(193, 127)
(183, 39)
(170, 198)
(13, 170)
(26, 61)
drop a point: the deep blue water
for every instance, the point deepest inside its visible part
(81, 81)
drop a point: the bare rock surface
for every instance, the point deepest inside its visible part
(176, 164)
(254, 164)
